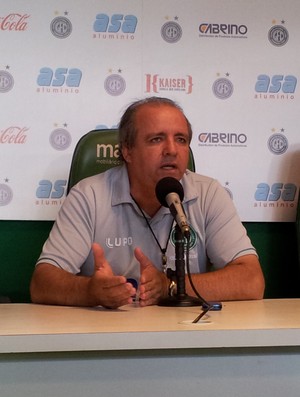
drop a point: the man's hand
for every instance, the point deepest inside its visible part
(153, 283)
(55, 286)
(105, 288)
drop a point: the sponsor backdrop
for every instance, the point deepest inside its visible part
(70, 66)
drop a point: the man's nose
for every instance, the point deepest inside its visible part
(170, 147)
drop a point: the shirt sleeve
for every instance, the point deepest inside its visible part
(71, 237)
(226, 237)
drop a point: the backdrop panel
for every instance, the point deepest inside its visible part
(71, 66)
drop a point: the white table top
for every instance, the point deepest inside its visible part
(41, 328)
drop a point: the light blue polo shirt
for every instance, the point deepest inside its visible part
(100, 209)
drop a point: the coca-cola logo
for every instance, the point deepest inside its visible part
(13, 135)
(14, 21)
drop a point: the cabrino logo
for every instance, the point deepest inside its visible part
(115, 27)
(224, 139)
(14, 21)
(6, 81)
(171, 31)
(220, 30)
(156, 83)
(278, 35)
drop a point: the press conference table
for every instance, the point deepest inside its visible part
(249, 348)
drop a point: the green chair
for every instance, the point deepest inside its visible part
(96, 152)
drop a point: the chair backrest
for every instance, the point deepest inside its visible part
(96, 152)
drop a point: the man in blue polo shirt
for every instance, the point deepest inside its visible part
(112, 228)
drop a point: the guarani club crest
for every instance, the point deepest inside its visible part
(115, 84)
(6, 81)
(223, 87)
(278, 143)
(60, 139)
(278, 34)
(61, 27)
(192, 242)
(6, 194)
(171, 31)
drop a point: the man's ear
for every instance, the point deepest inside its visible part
(126, 154)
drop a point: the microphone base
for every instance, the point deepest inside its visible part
(180, 301)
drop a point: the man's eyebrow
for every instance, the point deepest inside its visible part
(163, 134)
(155, 133)
(181, 133)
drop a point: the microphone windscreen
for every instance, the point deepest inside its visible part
(168, 185)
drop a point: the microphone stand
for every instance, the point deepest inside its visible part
(180, 299)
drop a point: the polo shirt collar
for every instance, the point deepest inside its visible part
(121, 188)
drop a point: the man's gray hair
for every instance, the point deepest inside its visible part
(127, 128)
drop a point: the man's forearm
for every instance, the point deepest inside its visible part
(241, 279)
(52, 285)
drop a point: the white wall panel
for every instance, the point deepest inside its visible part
(163, 54)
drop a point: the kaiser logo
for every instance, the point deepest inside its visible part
(14, 21)
(156, 83)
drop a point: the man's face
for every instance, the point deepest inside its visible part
(161, 148)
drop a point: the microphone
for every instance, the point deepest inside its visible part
(169, 193)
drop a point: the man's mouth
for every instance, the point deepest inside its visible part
(169, 166)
